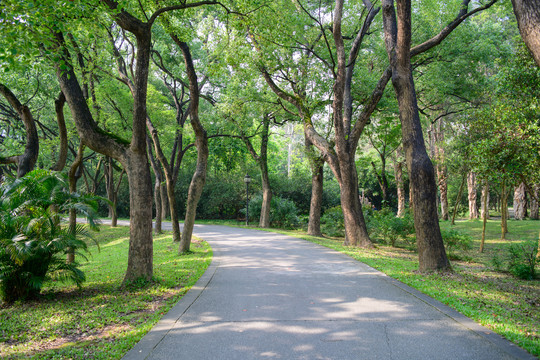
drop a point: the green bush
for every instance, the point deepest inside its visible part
(33, 244)
(385, 226)
(522, 259)
(456, 243)
(283, 212)
(332, 223)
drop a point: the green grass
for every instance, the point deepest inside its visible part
(496, 300)
(102, 320)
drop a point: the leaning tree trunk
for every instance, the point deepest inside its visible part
(534, 202)
(26, 161)
(520, 202)
(201, 142)
(132, 155)
(472, 189)
(62, 133)
(431, 251)
(528, 18)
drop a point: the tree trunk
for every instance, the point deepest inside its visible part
(528, 18)
(109, 175)
(157, 188)
(485, 201)
(140, 254)
(132, 155)
(62, 133)
(520, 202)
(74, 175)
(431, 251)
(27, 161)
(164, 201)
(317, 167)
(442, 172)
(458, 198)
(356, 233)
(398, 170)
(472, 190)
(158, 229)
(264, 220)
(534, 202)
(504, 211)
(201, 143)
(382, 180)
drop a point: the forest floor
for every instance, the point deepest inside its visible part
(485, 293)
(102, 320)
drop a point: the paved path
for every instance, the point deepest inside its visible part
(269, 296)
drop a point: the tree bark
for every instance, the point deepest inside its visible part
(520, 202)
(317, 167)
(485, 201)
(472, 191)
(504, 210)
(534, 202)
(382, 179)
(458, 198)
(201, 143)
(264, 220)
(431, 251)
(74, 175)
(398, 172)
(157, 189)
(131, 155)
(442, 171)
(528, 17)
(27, 161)
(262, 161)
(62, 132)
(485, 204)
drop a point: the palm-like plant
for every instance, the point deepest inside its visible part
(33, 243)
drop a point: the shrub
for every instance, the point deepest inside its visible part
(33, 244)
(332, 223)
(522, 259)
(386, 226)
(455, 240)
(283, 212)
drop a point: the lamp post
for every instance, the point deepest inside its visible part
(247, 180)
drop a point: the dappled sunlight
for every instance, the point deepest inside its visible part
(115, 242)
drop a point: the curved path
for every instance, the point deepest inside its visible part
(269, 296)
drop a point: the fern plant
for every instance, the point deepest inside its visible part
(33, 241)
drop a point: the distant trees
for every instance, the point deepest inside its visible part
(133, 74)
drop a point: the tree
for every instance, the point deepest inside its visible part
(26, 161)
(431, 252)
(528, 17)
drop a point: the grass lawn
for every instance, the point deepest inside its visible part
(496, 300)
(101, 320)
